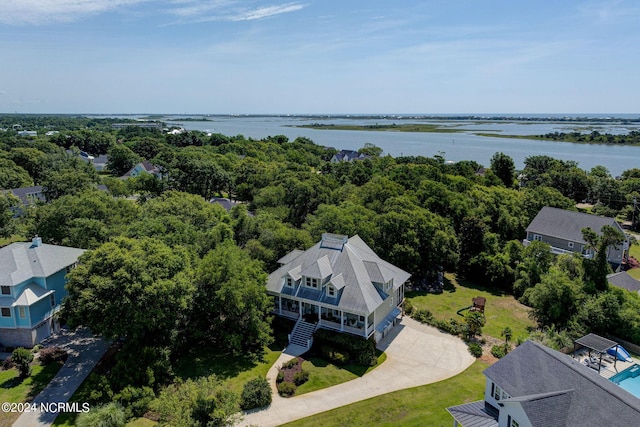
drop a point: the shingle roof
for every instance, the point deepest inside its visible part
(624, 280)
(532, 369)
(347, 267)
(28, 194)
(568, 225)
(23, 261)
(30, 294)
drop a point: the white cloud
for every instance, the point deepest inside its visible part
(228, 10)
(37, 12)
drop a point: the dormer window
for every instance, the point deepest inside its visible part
(499, 394)
(388, 285)
(6, 290)
(331, 291)
(289, 282)
(311, 282)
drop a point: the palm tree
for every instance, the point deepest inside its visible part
(507, 333)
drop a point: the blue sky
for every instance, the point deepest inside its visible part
(319, 56)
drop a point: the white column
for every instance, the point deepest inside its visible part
(366, 325)
(341, 320)
(279, 305)
(319, 313)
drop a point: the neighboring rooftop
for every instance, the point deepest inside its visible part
(625, 281)
(568, 225)
(551, 381)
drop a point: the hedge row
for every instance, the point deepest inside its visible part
(354, 348)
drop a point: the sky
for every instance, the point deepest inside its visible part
(319, 56)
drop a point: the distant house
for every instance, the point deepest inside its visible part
(339, 284)
(32, 280)
(537, 386)
(625, 281)
(26, 133)
(224, 202)
(28, 196)
(562, 230)
(141, 168)
(347, 156)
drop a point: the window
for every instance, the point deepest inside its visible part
(537, 237)
(388, 285)
(6, 312)
(289, 282)
(331, 291)
(6, 290)
(21, 312)
(514, 423)
(499, 393)
(52, 299)
(311, 283)
(362, 318)
(570, 244)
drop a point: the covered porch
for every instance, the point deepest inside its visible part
(326, 317)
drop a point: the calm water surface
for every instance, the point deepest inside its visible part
(453, 146)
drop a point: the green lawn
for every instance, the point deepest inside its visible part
(419, 406)
(634, 251)
(501, 310)
(234, 370)
(14, 389)
(323, 374)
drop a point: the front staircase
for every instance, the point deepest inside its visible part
(302, 334)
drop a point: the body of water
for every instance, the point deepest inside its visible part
(452, 146)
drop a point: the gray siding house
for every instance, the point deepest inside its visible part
(338, 284)
(562, 230)
(537, 386)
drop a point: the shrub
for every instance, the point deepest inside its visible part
(408, 307)
(279, 377)
(291, 363)
(135, 400)
(499, 351)
(475, 349)
(364, 350)
(111, 415)
(22, 358)
(36, 348)
(422, 315)
(286, 389)
(52, 354)
(301, 377)
(256, 393)
(7, 363)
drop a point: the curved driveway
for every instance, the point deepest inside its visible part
(417, 354)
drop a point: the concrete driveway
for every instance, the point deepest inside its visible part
(417, 354)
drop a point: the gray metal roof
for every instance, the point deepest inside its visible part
(568, 225)
(532, 369)
(28, 195)
(23, 261)
(624, 280)
(596, 342)
(474, 414)
(347, 265)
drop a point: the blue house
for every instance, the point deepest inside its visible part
(32, 279)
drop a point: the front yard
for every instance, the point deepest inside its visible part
(14, 389)
(501, 310)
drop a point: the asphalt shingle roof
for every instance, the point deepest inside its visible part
(532, 370)
(23, 261)
(568, 225)
(347, 265)
(624, 280)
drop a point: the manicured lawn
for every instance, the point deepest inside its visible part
(323, 374)
(234, 370)
(419, 406)
(14, 389)
(501, 310)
